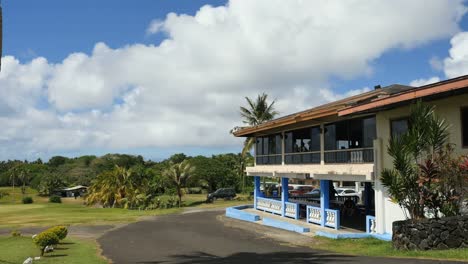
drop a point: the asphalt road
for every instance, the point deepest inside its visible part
(205, 238)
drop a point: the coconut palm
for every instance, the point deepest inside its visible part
(179, 174)
(117, 188)
(257, 112)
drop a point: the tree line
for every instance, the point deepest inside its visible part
(206, 175)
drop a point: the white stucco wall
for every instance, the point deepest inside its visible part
(449, 109)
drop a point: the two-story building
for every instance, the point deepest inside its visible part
(347, 141)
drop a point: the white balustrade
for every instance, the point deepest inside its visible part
(314, 214)
(331, 218)
(372, 225)
(269, 205)
(291, 210)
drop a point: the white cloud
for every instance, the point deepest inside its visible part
(457, 63)
(453, 66)
(187, 90)
(154, 27)
(422, 82)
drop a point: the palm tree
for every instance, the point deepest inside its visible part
(179, 174)
(117, 188)
(257, 112)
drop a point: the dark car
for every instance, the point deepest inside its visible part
(223, 193)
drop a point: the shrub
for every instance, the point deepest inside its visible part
(27, 200)
(60, 231)
(15, 233)
(45, 239)
(3, 194)
(194, 190)
(55, 199)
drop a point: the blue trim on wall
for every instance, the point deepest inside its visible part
(237, 213)
(285, 225)
(385, 237)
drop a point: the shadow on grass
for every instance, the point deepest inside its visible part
(66, 243)
(55, 256)
(250, 257)
(194, 203)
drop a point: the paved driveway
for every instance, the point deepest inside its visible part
(203, 238)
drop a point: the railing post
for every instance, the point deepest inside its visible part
(256, 190)
(368, 196)
(324, 199)
(284, 195)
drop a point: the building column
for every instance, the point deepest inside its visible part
(257, 192)
(322, 144)
(284, 195)
(367, 196)
(283, 145)
(357, 186)
(379, 189)
(324, 198)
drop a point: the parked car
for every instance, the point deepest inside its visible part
(315, 193)
(300, 190)
(348, 193)
(223, 193)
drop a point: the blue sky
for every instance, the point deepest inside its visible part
(55, 29)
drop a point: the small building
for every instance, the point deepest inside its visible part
(75, 191)
(346, 142)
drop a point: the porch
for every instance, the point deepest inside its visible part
(323, 208)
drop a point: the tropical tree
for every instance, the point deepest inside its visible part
(24, 177)
(411, 180)
(179, 174)
(255, 113)
(120, 187)
(50, 183)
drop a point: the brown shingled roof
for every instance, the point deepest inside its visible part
(359, 103)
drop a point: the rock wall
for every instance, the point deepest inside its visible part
(444, 233)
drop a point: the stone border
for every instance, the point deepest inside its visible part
(443, 233)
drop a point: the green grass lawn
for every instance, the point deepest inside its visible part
(375, 247)
(71, 211)
(71, 251)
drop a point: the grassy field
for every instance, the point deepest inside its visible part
(14, 214)
(71, 251)
(375, 247)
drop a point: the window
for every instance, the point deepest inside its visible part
(344, 136)
(464, 125)
(399, 126)
(268, 149)
(302, 146)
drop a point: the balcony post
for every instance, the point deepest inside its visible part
(324, 199)
(284, 195)
(283, 140)
(322, 144)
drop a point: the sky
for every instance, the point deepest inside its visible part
(161, 77)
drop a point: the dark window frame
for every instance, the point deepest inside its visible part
(407, 118)
(464, 141)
